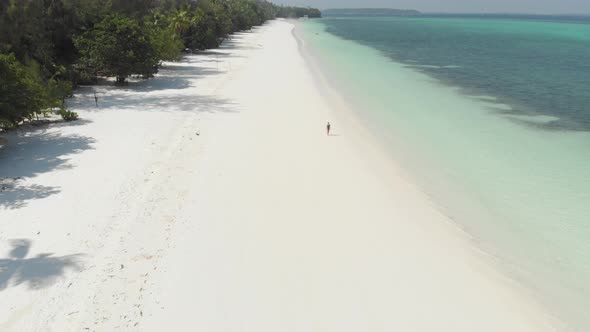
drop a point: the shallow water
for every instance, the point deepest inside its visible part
(492, 117)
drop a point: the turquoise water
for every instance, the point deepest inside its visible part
(492, 118)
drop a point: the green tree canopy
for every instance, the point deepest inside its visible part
(118, 46)
(49, 46)
(22, 93)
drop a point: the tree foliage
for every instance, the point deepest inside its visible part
(22, 93)
(49, 46)
(118, 46)
(298, 12)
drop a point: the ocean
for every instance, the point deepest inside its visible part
(490, 115)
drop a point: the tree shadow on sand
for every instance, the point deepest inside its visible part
(27, 154)
(172, 90)
(171, 78)
(14, 195)
(216, 54)
(177, 103)
(37, 272)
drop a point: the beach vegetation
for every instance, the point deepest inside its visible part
(23, 93)
(298, 12)
(49, 47)
(119, 46)
(67, 115)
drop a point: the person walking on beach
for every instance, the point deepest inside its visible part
(328, 126)
(95, 99)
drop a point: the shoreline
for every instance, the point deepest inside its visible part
(380, 147)
(430, 145)
(218, 203)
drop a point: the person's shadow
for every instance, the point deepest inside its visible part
(38, 272)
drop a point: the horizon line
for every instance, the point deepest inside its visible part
(463, 13)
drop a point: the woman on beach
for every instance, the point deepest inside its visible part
(328, 126)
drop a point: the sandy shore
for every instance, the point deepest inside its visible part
(211, 199)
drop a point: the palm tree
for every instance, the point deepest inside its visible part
(181, 19)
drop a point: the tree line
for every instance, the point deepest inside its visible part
(47, 47)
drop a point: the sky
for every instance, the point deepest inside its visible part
(456, 6)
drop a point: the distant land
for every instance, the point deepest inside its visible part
(369, 12)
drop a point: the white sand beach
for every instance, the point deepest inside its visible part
(210, 199)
